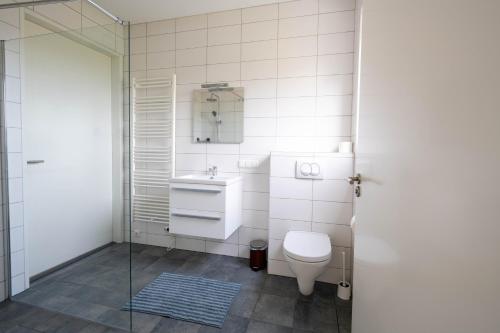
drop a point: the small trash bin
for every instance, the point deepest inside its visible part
(258, 255)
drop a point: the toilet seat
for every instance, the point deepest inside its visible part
(307, 246)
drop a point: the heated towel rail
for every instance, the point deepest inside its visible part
(153, 148)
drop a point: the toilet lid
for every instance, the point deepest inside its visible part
(307, 246)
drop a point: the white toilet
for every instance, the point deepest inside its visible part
(308, 254)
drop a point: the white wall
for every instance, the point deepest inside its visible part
(295, 61)
(67, 199)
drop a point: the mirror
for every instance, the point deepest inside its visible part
(218, 115)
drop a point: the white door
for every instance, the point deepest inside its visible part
(427, 243)
(67, 124)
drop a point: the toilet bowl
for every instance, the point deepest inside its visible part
(308, 254)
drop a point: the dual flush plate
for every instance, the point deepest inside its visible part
(308, 170)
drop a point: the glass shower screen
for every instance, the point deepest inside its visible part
(65, 241)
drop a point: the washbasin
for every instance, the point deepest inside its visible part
(206, 179)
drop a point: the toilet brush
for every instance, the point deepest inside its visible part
(344, 287)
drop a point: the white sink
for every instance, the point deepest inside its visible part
(206, 179)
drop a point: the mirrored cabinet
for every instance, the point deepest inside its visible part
(218, 114)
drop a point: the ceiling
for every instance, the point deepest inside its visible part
(137, 11)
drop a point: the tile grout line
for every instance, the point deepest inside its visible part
(243, 127)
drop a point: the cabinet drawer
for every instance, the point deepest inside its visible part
(207, 197)
(197, 223)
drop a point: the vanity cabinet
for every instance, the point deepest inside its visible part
(208, 208)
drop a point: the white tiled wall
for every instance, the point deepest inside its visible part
(311, 205)
(9, 30)
(80, 17)
(295, 61)
(2, 203)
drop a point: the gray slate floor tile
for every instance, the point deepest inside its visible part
(276, 310)
(93, 328)
(168, 325)
(102, 296)
(249, 279)
(164, 264)
(281, 286)
(20, 317)
(156, 251)
(96, 287)
(313, 319)
(115, 318)
(233, 324)
(20, 329)
(244, 303)
(89, 311)
(260, 327)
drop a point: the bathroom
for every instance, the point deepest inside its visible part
(249, 166)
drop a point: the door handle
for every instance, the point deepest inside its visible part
(354, 179)
(35, 161)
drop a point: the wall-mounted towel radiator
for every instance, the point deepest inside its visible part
(153, 148)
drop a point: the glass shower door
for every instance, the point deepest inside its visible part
(65, 117)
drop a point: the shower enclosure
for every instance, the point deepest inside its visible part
(64, 102)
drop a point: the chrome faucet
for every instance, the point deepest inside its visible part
(212, 171)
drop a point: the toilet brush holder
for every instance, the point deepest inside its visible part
(344, 287)
(344, 290)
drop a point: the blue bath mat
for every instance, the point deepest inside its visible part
(189, 298)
